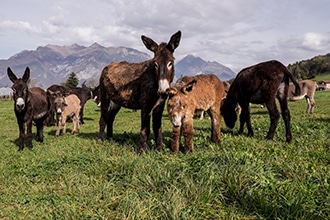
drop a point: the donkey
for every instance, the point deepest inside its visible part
(84, 93)
(29, 105)
(65, 107)
(307, 90)
(259, 84)
(139, 86)
(53, 91)
(190, 93)
(226, 86)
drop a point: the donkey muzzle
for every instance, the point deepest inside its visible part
(20, 104)
(163, 84)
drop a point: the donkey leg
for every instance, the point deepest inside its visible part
(286, 117)
(157, 126)
(308, 105)
(21, 135)
(50, 121)
(81, 113)
(274, 117)
(64, 125)
(114, 109)
(145, 131)
(78, 126)
(245, 118)
(175, 144)
(105, 102)
(215, 126)
(312, 106)
(58, 126)
(40, 128)
(29, 133)
(74, 124)
(188, 134)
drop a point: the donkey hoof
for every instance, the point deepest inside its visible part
(160, 148)
(143, 150)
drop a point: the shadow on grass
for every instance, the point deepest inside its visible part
(88, 119)
(327, 120)
(16, 141)
(125, 138)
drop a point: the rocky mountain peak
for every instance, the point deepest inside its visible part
(52, 64)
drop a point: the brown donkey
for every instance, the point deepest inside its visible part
(29, 105)
(261, 83)
(139, 86)
(190, 93)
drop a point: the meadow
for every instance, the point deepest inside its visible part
(80, 177)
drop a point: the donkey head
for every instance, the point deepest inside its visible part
(20, 89)
(179, 101)
(96, 96)
(94, 93)
(163, 60)
(59, 103)
(229, 114)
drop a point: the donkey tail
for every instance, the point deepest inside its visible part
(293, 79)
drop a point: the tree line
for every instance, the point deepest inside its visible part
(308, 69)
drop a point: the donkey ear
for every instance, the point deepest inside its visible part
(11, 75)
(174, 41)
(189, 87)
(26, 75)
(149, 43)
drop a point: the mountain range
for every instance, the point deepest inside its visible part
(52, 64)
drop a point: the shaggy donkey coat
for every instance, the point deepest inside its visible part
(190, 93)
(29, 105)
(259, 84)
(139, 86)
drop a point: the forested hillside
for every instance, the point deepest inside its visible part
(310, 68)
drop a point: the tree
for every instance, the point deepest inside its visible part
(72, 81)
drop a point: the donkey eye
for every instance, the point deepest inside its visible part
(170, 64)
(156, 65)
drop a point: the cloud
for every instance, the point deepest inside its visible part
(305, 43)
(235, 32)
(315, 41)
(25, 26)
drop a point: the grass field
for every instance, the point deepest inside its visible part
(79, 177)
(325, 77)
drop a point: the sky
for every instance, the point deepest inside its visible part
(235, 33)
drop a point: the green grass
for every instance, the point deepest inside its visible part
(79, 177)
(322, 77)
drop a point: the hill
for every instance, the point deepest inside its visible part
(52, 64)
(316, 66)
